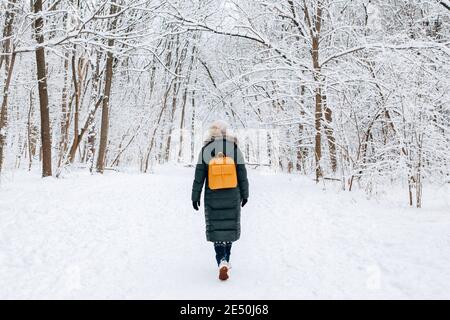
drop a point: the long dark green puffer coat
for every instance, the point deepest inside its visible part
(223, 206)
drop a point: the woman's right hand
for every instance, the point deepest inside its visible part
(196, 204)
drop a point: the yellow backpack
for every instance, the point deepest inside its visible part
(222, 172)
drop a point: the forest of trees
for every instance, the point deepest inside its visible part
(351, 91)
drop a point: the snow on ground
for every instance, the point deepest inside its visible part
(125, 235)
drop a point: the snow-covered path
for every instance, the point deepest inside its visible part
(136, 236)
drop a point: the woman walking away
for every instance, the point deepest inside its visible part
(222, 166)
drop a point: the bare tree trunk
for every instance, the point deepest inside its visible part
(76, 85)
(171, 118)
(76, 142)
(7, 33)
(92, 134)
(91, 148)
(193, 123)
(301, 152)
(183, 111)
(43, 94)
(329, 132)
(78, 81)
(105, 115)
(106, 97)
(419, 190)
(168, 62)
(7, 49)
(419, 172)
(318, 135)
(4, 109)
(314, 26)
(269, 149)
(176, 87)
(183, 108)
(32, 132)
(64, 124)
(152, 141)
(410, 187)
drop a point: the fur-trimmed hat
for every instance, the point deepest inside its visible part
(219, 129)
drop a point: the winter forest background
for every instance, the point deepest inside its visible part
(355, 92)
(341, 108)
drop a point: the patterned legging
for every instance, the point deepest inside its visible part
(223, 251)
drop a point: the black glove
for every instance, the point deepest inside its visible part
(244, 201)
(196, 204)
